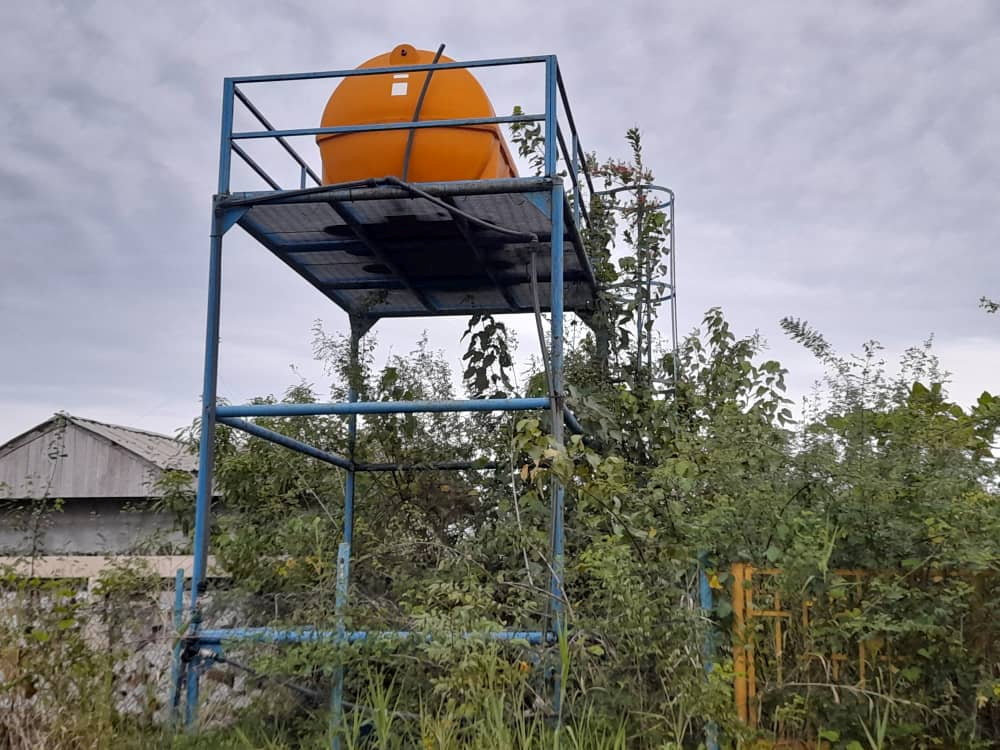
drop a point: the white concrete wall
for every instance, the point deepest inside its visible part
(87, 527)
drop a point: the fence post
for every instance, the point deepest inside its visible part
(708, 647)
(739, 649)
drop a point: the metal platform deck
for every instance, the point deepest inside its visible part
(382, 252)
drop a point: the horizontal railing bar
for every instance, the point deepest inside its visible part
(373, 191)
(382, 407)
(438, 466)
(380, 126)
(285, 441)
(489, 63)
(309, 635)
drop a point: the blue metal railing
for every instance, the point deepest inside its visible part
(558, 148)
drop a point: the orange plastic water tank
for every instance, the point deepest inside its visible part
(438, 154)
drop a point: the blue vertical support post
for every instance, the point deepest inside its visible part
(176, 671)
(337, 693)
(344, 550)
(708, 647)
(206, 461)
(557, 533)
(206, 446)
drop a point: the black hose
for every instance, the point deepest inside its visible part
(416, 113)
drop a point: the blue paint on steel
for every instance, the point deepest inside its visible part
(227, 217)
(577, 188)
(358, 329)
(708, 647)
(285, 441)
(225, 152)
(572, 126)
(551, 118)
(556, 335)
(219, 636)
(545, 193)
(571, 421)
(178, 598)
(384, 407)
(192, 679)
(176, 669)
(379, 126)
(541, 200)
(351, 72)
(337, 693)
(570, 157)
(352, 438)
(477, 465)
(557, 541)
(206, 453)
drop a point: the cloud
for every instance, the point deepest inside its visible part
(834, 162)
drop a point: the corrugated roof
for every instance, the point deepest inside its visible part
(161, 450)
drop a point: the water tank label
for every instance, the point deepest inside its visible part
(399, 87)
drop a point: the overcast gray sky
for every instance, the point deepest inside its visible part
(839, 162)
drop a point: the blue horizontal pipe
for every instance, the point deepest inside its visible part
(489, 63)
(572, 422)
(284, 440)
(308, 635)
(433, 466)
(377, 126)
(381, 407)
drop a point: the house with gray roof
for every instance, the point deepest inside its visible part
(74, 486)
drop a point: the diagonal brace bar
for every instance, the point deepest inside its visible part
(285, 441)
(433, 466)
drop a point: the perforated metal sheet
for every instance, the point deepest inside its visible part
(397, 257)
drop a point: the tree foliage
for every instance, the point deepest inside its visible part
(873, 507)
(879, 472)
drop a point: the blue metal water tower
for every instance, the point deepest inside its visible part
(510, 245)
